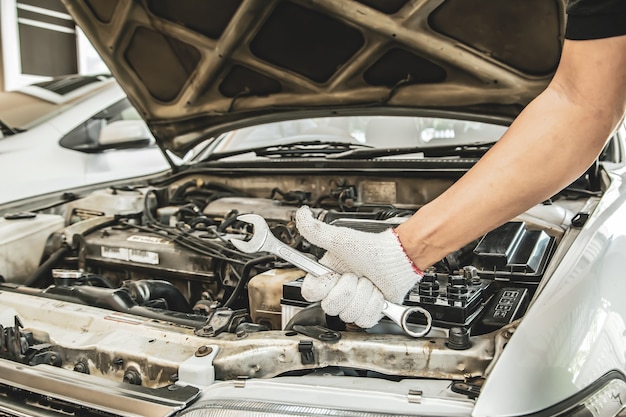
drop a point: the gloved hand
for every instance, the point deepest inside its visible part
(370, 267)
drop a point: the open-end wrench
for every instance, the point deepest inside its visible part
(264, 241)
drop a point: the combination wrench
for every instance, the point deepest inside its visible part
(263, 240)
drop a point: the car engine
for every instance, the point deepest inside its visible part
(161, 254)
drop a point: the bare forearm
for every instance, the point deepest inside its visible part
(550, 144)
(525, 168)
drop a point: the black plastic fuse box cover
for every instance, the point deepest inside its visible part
(514, 252)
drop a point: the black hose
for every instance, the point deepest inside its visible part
(230, 219)
(98, 280)
(45, 268)
(146, 290)
(201, 220)
(180, 191)
(117, 299)
(320, 199)
(245, 277)
(146, 205)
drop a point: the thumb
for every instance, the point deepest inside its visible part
(317, 232)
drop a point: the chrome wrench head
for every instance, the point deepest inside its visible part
(400, 314)
(258, 240)
(263, 240)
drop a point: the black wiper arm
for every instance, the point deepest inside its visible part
(466, 151)
(311, 148)
(304, 148)
(7, 130)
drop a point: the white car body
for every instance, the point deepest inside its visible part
(34, 163)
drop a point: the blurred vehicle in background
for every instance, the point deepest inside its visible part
(73, 130)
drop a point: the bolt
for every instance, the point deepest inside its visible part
(118, 361)
(81, 367)
(329, 335)
(132, 376)
(203, 351)
(508, 333)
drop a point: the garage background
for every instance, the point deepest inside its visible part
(39, 40)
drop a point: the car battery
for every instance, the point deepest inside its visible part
(452, 300)
(292, 301)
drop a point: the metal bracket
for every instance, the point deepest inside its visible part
(305, 347)
(320, 333)
(415, 396)
(222, 320)
(199, 370)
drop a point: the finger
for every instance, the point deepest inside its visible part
(316, 288)
(340, 295)
(362, 295)
(317, 232)
(372, 312)
(335, 263)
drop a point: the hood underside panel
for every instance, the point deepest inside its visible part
(194, 68)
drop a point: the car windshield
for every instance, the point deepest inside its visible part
(380, 132)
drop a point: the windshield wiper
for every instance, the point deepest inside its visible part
(7, 130)
(301, 149)
(465, 151)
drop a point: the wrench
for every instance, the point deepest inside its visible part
(264, 241)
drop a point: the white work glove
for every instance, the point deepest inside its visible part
(371, 267)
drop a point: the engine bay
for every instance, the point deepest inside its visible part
(162, 254)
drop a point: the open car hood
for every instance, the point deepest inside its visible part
(198, 68)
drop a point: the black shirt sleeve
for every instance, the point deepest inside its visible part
(595, 19)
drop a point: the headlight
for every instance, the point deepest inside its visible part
(239, 408)
(606, 397)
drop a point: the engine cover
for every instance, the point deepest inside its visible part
(127, 253)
